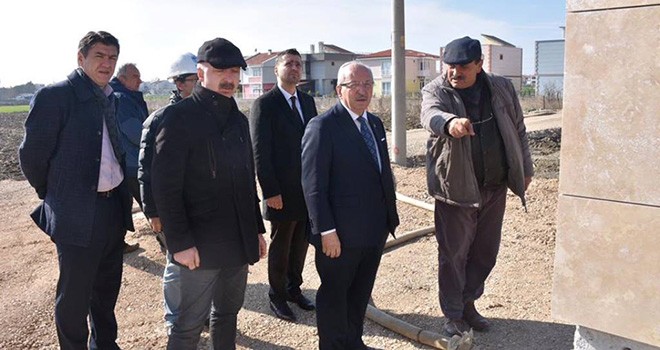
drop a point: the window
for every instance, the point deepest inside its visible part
(386, 69)
(387, 88)
(423, 65)
(501, 57)
(255, 71)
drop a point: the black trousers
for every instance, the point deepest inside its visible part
(286, 258)
(89, 282)
(468, 243)
(341, 301)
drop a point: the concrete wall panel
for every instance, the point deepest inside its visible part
(611, 129)
(607, 267)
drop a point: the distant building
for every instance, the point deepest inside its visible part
(420, 68)
(24, 97)
(501, 58)
(529, 80)
(259, 76)
(157, 87)
(321, 67)
(549, 66)
(319, 76)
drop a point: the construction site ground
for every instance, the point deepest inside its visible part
(517, 297)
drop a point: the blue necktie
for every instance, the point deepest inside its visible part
(368, 139)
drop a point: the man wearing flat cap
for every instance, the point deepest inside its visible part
(203, 183)
(477, 148)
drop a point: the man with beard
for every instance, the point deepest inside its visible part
(72, 157)
(349, 191)
(205, 191)
(277, 122)
(477, 148)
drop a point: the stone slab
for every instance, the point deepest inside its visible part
(610, 132)
(594, 5)
(591, 339)
(607, 268)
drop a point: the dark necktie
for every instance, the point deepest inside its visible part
(368, 139)
(295, 110)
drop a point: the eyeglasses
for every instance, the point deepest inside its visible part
(356, 84)
(193, 78)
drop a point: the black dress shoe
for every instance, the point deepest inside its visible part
(454, 327)
(303, 302)
(129, 248)
(282, 310)
(474, 318)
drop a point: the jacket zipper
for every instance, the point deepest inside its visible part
(212, 161)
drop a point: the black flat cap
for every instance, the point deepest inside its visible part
(462, 51)
(221, 54)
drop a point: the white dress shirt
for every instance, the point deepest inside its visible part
(110, 173)
(287, 96)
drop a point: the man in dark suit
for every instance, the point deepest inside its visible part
(277, 124)
(349, 191)
(72, 157)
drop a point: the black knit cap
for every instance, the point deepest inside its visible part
(462, 51)
(221, 54)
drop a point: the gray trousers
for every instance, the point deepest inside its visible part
(468, 243)
(191, 295)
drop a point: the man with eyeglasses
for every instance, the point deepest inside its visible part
(477, 148)
(277, 122)
(183, 73)
(349, 191)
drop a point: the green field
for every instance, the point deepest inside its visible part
(14, 109)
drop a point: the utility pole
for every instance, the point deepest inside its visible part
(398, 84)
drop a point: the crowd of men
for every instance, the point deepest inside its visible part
(90, 149)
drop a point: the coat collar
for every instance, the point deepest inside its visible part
(213, 101)
(83, 86)
(285, 106)
(117, 86)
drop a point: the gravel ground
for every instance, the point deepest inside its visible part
(517, 296)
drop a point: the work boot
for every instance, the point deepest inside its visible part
(474, 318)
(454, 327)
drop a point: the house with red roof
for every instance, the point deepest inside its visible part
(420, 68)
(259, 76)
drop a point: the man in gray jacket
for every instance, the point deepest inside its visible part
(477, 148)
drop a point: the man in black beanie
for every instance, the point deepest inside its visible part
(203, 183)
(477, 148)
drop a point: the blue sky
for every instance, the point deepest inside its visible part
(40, 37)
